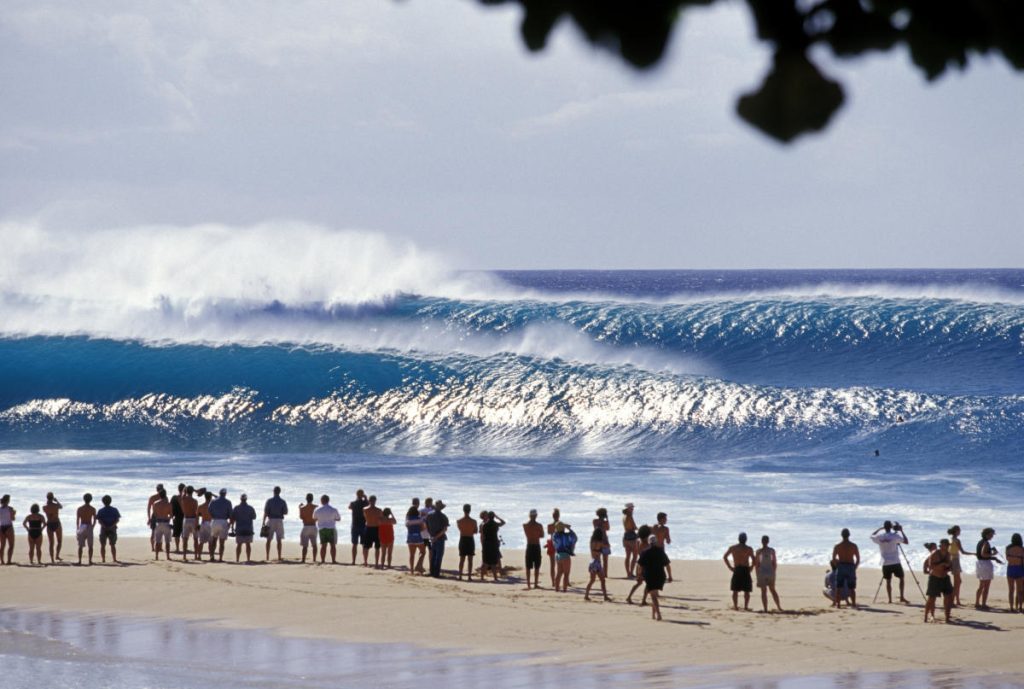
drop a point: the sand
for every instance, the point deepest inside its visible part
(699, 630)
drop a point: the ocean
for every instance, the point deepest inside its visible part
(787, 403)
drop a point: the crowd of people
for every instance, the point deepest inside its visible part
(200, 522)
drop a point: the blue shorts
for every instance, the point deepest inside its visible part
(357, 534)
(846, 576)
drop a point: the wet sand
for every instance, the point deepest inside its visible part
(701, 639)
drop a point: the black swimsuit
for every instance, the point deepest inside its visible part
(35, 529)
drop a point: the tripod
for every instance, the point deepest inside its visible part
(911, 568)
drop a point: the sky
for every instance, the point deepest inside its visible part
(429, 123)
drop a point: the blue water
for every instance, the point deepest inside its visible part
(671, 388)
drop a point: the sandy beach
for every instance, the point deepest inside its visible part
(700, 629)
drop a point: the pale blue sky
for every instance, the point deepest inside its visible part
(428, 121)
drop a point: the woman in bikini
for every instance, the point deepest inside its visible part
(414, 537)
(35, 523)
(630, 539)
(563, 556)
(1015, 572)
(7, 515)
(549, 546)
(986, 555)
(386, 532)
(601, 522)
(597, 541)
(956, 549)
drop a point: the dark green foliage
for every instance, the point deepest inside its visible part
(795, 97)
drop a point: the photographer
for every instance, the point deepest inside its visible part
(889, 546)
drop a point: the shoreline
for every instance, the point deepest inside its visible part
(701, 633)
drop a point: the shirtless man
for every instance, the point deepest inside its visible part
(937, 567)
(664, 537)
(307, 537)
(372, 518)
(468, 529)
(846, 555)
(149, 515)
(534, 532)
(177, 517)
(54, 530)
(85, 523)
(742, 562)
(189, 522)
(205, 522)
(162, 514)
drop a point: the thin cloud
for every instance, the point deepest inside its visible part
(612, 104)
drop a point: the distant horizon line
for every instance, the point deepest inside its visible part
(733, 270)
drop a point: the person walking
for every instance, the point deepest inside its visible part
(275, 509)
(653, 562)
(437, 525)
(765, 566)
(889, 547)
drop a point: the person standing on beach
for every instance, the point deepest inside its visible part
(162, 514)
(956, 550)
(653, 562)
(243, 519)
(630, 541)
(644, 533)
(307, 537)
(189, 523)
(54, 529)
(534, 532)
(7, 515)
(846, 555)
(220, 513)
(177, 517)
(1014, 554)
(742, 562)
(765, 566)
(274, 511)
(85, 524)
(490, 544)
(664, 538)
(356, 507)
(414, 537)
(108, 518)
(984, 569)
(437, 525)
(937, 568)
(556, 516)
(372, 517)
(34, 523)
(889, 547)
(468, 529)
(205, 524)
(149, 515)
(565, 545)
(595, 568)
(387, 537)
(327, 519)
(601, 522)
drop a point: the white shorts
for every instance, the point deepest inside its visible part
(308, 536)
(219, 530)
(162, 531)
(204, 532)
(275, 527)
(189, 528)
(984, 570)
(84, 535)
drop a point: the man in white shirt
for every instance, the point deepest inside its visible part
(889, 546)
(327, 519)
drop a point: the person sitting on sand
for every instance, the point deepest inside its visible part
(468, 529)
(984, 569)
(386, 531)
(372, 517)
(327, 519)
(275, 509)
(549, 546)
(358, 527)
(54, 529)
(7, 515)
(643, 534)
(664, 537)
(490, 544)
(162, 513)
(220, 514)
(307, 537)
(846, 555)
(596, 568)
(653, 563)
(742, 560)
(565, 542)
(889, 547)
(85, 524)
(534, 532)
(205, 524)
(1014, 554)
(189, 522)
(34, 523)
(414, 537)
(765, 566)
(243, 520)
(108, 518)
(937, 568)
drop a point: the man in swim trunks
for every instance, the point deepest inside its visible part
(108, 517)
(189, 522)
(437, 524)
(356, 507)
(7, 515)
(162, 514)
(742, 560)
(243, 520)
(846, 555)
(468, 529)
(177, 517)
(534, 532)
(661, 530)
(372, 518)
(307, 537)
(889, 546)
(274, 512)
(54, 530)
(220, 513)
(937, 566)
(327, 519)
(205, 524)
(85, 522)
